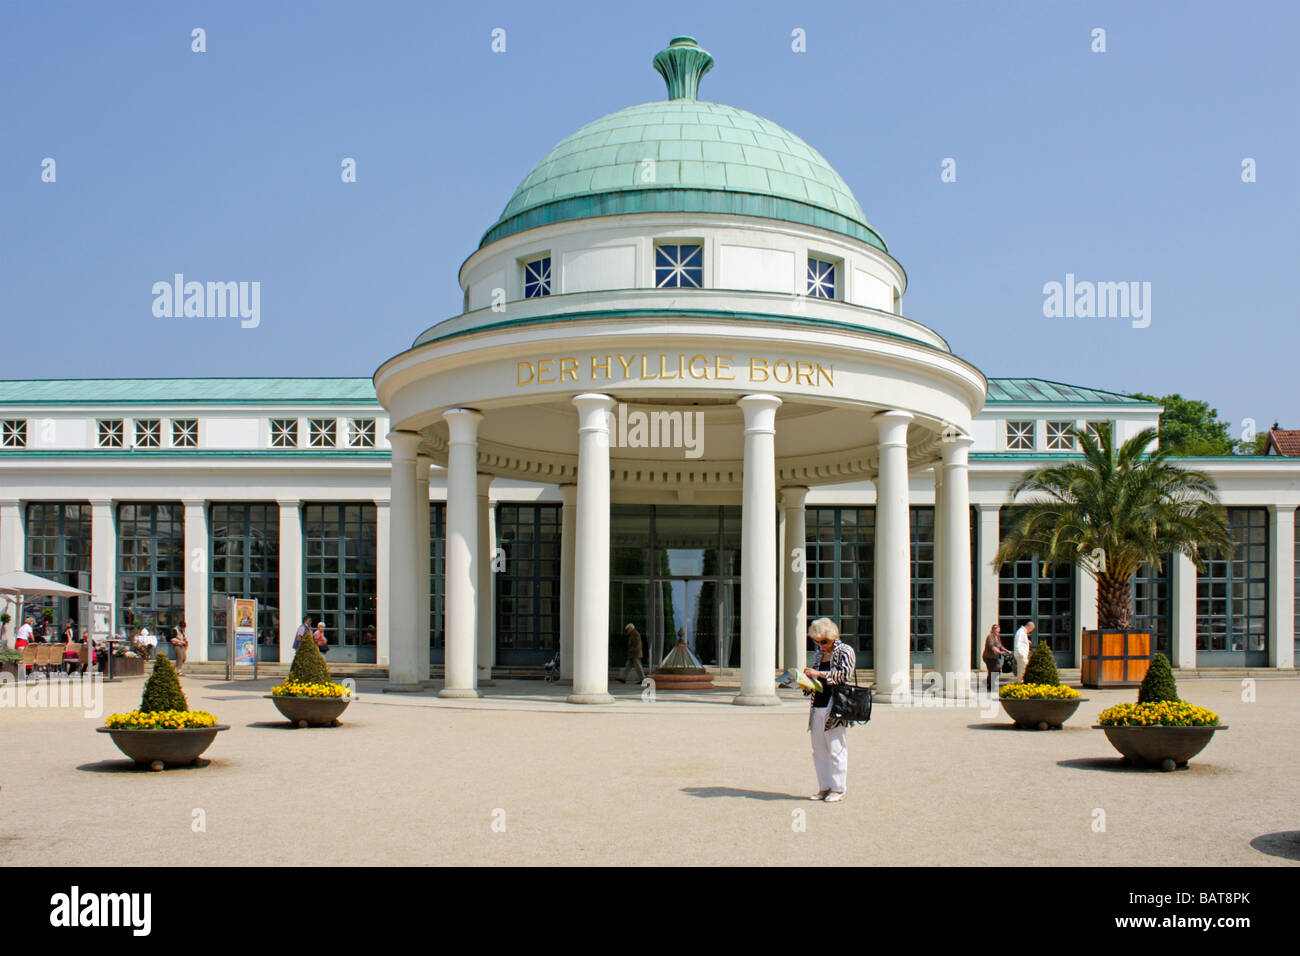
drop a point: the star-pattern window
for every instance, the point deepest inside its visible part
(13, 433)
(148, 433)
(679, 267)
(821, 278)
(321, 432)
(361, 432)
(110, 432)
(1059, 437)
(284, 433)
(1020, 436)
(185, 433)
(537, 278)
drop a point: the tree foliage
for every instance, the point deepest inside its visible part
(1114, 512)
(308, 665)
(1041, 668)
(162, 691)
(1159, 683)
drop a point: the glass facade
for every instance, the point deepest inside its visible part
(58, 548)
(528, 586)
(675, 575)
(151, 569)
(339, 573)
(922, 541)
(437, 575)
(840, 562)
(1232, 597)
(244, 548)
(1030, 591)
(1153, 605)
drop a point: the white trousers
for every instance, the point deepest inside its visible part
(1021, 664)
(830, 752)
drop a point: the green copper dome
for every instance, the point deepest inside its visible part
(684, 155)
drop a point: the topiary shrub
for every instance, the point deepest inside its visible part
(1041, 668)
(162, 691)
(308, 665)
(1159, 683)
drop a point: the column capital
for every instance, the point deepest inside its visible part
(405, 445)
(9, 502)
(383, 503)
(288, 502)
(955, 450)
(984, 506)
(194, 502)
(760, 412)
(891, 427)
(793, 498)
(462, 425)
(102, 502)
(593, 411)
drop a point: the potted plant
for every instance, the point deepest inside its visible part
(1040, 700)
(1159, 729)
(10, 661)
(163, 732)
(1114, 512)
(309, 698)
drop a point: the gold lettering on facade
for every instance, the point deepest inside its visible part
(569, 367)
(722, 363)
(823, 373)
(757, 367)
(704, 372)
(627, 366)
(525, 367)
(543, 368)
(597, 364)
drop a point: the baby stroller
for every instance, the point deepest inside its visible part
(552, 670)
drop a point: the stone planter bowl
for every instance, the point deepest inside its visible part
(156, 749)
(1163, 747)
(311, 711)
(1041, 713)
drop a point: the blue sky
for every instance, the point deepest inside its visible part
(1115, 166)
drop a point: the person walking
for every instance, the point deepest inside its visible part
(993, 653)
(24, 635)
(69, 632)
(633, 654)
(182, 644)
(1020, 647)
(834, 663)
(321, 641)
(304, 629)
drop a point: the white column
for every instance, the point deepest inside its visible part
(1182, 643)
(13, 557)
(591, 554)
(290, 574)
(795, 576)
(461, 587)
(103, 556)
(13, 542)
(423, 566)
(893, 560)
(1281, 589)
(486, 619)
(758, 554)
(1086, 616)
(383, 582)
(940, 605)
(954, 592)
(986, 572)
(196, 578)
(405, 667)
(568, 549)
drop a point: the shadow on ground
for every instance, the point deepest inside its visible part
(736, 792)
(1023, 730)
(130, 766)
(1284, 843)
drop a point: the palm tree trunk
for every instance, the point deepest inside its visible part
(1114, 602)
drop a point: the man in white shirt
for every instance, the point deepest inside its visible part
(1020, 647)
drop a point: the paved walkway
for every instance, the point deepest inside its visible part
(686, 778)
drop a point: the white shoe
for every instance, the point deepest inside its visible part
(820, 796)
(835, 796)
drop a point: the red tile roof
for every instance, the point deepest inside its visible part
(1284, 441)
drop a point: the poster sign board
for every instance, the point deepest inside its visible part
(101, 616)
(241, 635)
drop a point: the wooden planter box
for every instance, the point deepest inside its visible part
(1115, 658)
(128, 667)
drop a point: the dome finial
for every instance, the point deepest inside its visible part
(682, 65)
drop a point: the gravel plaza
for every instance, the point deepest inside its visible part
(522, 777)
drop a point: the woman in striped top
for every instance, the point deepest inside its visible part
(834, 663)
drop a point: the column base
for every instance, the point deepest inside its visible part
(403, 688)
(589, 699)
(459, 693)
(746, 700)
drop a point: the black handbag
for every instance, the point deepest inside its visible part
(851, 704)
(1008, 667)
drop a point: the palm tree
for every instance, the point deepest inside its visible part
(1113, 512)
